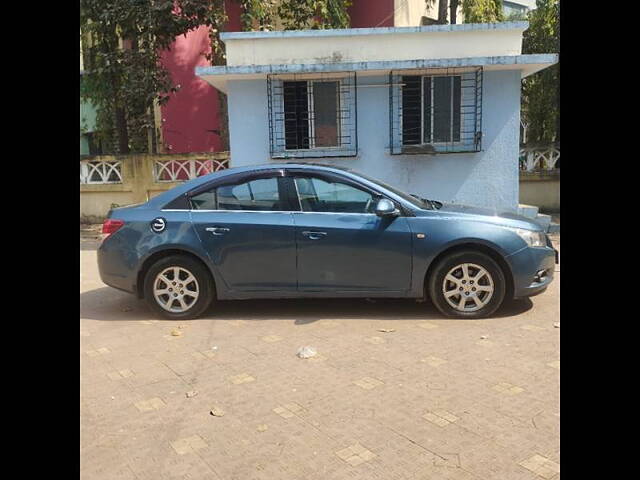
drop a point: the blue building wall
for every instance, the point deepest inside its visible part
(487, 178)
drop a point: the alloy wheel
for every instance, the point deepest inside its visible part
(176, 289)
(468, 287)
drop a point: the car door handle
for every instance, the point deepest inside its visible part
(314, 235)
(217, 230)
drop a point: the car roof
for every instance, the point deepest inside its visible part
(169, 195)
(305, 165)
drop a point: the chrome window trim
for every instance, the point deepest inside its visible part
(242, 211)
(293, 172)
(269, 211)
(338, 213)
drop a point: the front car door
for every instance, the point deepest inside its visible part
(343, 246)
(246, 226)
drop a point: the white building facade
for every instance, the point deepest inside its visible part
(433, 110)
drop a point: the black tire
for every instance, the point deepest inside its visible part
(198, 270)
(436, 281)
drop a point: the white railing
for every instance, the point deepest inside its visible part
(534, 159)
(180, 170)
(100, 172)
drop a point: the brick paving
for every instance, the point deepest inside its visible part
(395, 392)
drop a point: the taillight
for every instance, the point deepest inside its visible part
(110, 226)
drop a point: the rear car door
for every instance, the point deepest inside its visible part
(343, 246)
(246, 226)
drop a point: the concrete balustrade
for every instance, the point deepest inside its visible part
(137, 178)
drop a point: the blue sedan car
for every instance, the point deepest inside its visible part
(305, 230)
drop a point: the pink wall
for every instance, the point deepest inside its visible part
(192, 113)
(371, 13)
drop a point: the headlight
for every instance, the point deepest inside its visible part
(533, 239)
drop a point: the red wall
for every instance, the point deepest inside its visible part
(192, 113)
(371, 13)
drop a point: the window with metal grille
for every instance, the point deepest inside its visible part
(436, 111)
(312, 116)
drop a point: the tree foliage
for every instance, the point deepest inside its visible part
(258, 14)
(482, 11)
(453, 10)
(474, 11)
(541, 91)
(314, 14)
(442, 12)
(124, 41)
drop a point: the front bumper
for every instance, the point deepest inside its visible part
(533, 269)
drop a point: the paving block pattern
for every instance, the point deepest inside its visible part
(151, 404)
(435, 399)
(507, 388)
(271, 338)
(441, 418)
(368, 383)
(242, 378)
(541, 466)
(188, 445)
(434, 361)
(355, 455)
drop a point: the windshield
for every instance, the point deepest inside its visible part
(412, 199)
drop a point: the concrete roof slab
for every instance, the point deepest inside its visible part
(351, 32)
(218, 76)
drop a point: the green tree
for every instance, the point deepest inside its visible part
(474, 11)
(266, 15)
(453, 11)
(541, 91)
(125, 77)
(442, 12)
(258, 14)
(516, 17)
(482, 11)
(314, 14)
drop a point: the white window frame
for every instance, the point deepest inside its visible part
(312, 118)
(311, 126)
(431, 77)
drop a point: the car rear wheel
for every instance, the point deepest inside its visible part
(178, 287)
(467, 284)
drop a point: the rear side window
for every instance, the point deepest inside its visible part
(204, 201)
(256, 195)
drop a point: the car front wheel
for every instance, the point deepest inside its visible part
(467, 284)
(178, 287)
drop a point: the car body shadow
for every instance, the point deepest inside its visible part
(109, 304)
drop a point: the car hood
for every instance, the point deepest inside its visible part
(486, 214)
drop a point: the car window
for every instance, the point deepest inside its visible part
(317, 195)
(257, 195)
(413, 200)
(204, 200)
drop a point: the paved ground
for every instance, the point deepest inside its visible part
(433, 399)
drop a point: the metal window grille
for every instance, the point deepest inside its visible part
(312, 115)
(435, 111)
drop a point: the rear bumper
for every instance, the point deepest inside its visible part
(117, 266)
(533, 269)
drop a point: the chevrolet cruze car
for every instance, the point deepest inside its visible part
(306, 230)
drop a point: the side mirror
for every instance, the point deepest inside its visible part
(386, 208)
